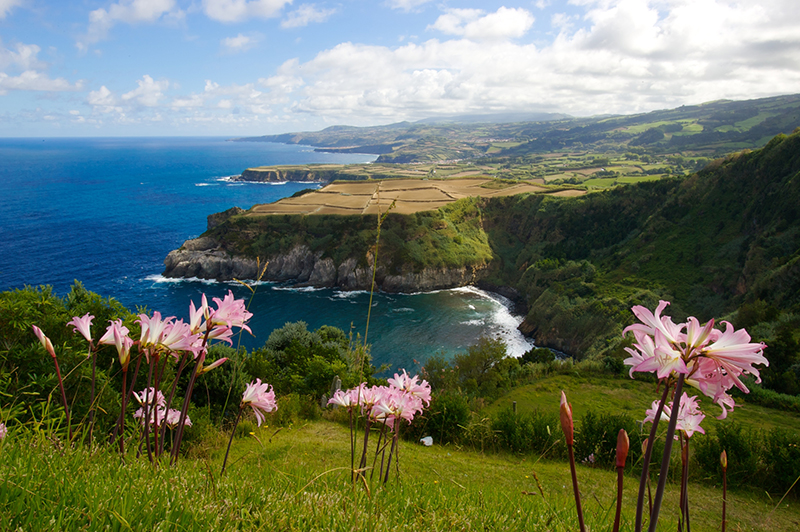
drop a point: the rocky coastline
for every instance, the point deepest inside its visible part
(204, 258)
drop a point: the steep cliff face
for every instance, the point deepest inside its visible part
(276, 175)
(204, 258)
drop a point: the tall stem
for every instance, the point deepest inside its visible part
(121, 424)
(186, 400)
(147, 401)
(618, 513)
(91, 402)
(662, 476)
(575, 488)
(391, 452)
(63, 398)
(643, 482)
(171, 396)
(685, 480)
(233, 432)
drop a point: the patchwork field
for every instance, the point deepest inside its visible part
(409, 195)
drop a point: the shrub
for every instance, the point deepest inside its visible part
(781, 459)
(444, 420)
(532, 432)
(743, 448)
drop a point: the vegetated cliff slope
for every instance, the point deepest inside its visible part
(423, 251)
(710, 243)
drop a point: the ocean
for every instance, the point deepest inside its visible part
(106, 211)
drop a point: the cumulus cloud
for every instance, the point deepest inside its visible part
(128, 11)
(25, 57)
(476, 24)
(23, 60)
(305, 15)
(148, 93)
(239, 10)
(30, 80)
(628, 56)
(7, 5)
(240, 43)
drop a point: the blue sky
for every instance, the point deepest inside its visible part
(253, 67)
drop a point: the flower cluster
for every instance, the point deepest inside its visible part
(710, 359)
(155, 403)
(689, 415)
(402, 399)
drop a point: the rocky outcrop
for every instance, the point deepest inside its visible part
(278, 175)
(203, 258)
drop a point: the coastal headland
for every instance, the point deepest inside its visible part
(709, 242)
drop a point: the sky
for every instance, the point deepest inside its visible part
(257, 67)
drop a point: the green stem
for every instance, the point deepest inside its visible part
(643, 482)
(575, 489)
(233, 432)
(662, 476)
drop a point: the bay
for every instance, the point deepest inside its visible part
(106, 211)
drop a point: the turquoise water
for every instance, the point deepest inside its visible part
(106, 211)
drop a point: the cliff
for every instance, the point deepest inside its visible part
(423, 251)
(723, 243)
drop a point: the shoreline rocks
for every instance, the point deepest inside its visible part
(204, 258)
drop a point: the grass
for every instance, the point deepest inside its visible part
(296, 479)
(624, 395)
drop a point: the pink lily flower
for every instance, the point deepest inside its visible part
(689, 415)
(261, 398)
(83, 325)
(46, 343)
(231, 312)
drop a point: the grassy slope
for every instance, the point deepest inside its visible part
(296, 479)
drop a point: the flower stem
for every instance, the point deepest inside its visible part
(233, 432)
(662, 476)
(643, 482)
(618, 513)
(575, 488)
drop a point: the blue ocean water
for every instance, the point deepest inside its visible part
(106, 211)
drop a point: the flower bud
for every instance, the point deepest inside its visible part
(623, 444)
(566, 419)
(723, 459)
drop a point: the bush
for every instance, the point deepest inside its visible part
(743, 448)
(781, 460)
(444, 420)
(597, 435)
(532, 432)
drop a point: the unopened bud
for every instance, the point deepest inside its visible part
(566, 419)
(723, 459)
(623, 444)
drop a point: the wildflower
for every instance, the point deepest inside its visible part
(261, 398)
(689, 415)
(3, 431)
(231, 312)
(566, 419)
(710, 359)
(83, 325)
(46, 343)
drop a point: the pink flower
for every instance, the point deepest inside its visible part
(215, 364)
(231, 312)
(689, 415)
(150, 396)
(3, 431)
(117, 335)
(46, 343)
(261, 398)
(410, 385)
(152, 329)
(341, 398)
(83, 325)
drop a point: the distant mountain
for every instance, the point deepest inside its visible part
(495, 118)
(708, 129)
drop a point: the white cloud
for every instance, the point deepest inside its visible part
(148, 93)
(128, 11)
(240, 43)
(24, 57)
(306, 14)
(406, 5)
(629, 56)
(475, 24)
(30, 80)
(101, 98)
(239, 10)
(7, 5)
